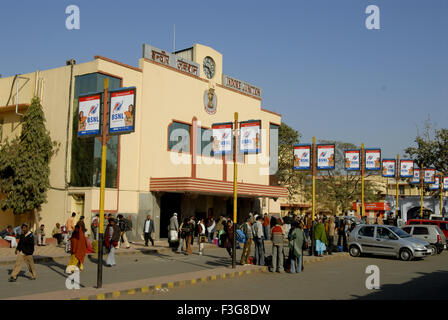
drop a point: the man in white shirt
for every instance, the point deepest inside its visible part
(258, 240)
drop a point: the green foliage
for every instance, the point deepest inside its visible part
(431, 149)
(288, 177)
(24, 170)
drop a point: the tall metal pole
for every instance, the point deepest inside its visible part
(99, 279)
(397, 176)
(313, 213)
(362, 180)
(421, 191)
(441, 192)
(235, 195)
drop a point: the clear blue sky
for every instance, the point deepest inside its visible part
(316, 62)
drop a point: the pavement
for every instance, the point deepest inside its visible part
(139, 271)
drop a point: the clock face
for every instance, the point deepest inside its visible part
(209, 67)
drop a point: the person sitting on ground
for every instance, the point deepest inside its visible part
(57, 233)
(8, 235)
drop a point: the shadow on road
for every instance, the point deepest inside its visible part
(428, 286)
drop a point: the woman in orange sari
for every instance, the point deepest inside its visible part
(78, 250)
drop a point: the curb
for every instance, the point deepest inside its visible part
(168, 285)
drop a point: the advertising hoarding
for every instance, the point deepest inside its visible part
(122, 111)
(222, 138)
(89, 115)
(416, 178)
(352, 160)
(302, 157)
(250, 136)
(429, 175)
(325, 157)
(406, 168)
(389, 168)
(435, 185)
(373, 159)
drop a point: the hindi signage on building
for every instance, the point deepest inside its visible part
(250, 140)
(373, 159)
(406, 168)
(352, 160)
(89, 115)
(389, 168)
(122, 111)
(169, 59)
(429, 175)
(325, 156)
(302, 157)
(416, 178)
(222, 138)
(435, 185)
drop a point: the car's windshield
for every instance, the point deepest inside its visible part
(399, 232)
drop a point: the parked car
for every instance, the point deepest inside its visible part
(386, 240)
(430, 233)
(443, 225)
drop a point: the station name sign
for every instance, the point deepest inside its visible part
(170, 59)
(241, 86)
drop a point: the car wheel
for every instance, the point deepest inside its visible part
(405, 254)
(433, 249)
(354, 251)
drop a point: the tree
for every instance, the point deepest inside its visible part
(25, 166)
(431, 149)
(288, 177)
(337, 189)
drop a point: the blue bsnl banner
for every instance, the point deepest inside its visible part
(250, 136)
(325, 157)
(89, 115)
(122, 111)
(389, 168)
(302, 157)
(222, 138)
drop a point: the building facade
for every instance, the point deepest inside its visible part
(166, 165)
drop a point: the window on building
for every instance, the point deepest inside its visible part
(86, 152)
(179, 137)
(273, 152)
(205, 142)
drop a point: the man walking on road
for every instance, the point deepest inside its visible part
(24, 252)
(173, 228)
(148, 229)
(247, 230)
(258, 240)
(123, 225)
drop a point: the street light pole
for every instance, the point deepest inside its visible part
(235, 195)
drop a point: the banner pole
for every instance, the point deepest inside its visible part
(235, 195)
(397, 180)
(441, 192)
(362, 180)
(314, 179)
(99, 280)
(421, 191)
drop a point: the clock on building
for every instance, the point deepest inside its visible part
(209, 67)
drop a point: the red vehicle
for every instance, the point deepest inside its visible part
(443, 225)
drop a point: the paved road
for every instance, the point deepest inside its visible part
(51, 276)
(336, 279)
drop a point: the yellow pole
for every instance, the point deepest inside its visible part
(397, 179)
(314, 178)
(235, 174)
(235, 195)
(441, 191)
(103, 186)
(362, 180)
(421, 191)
